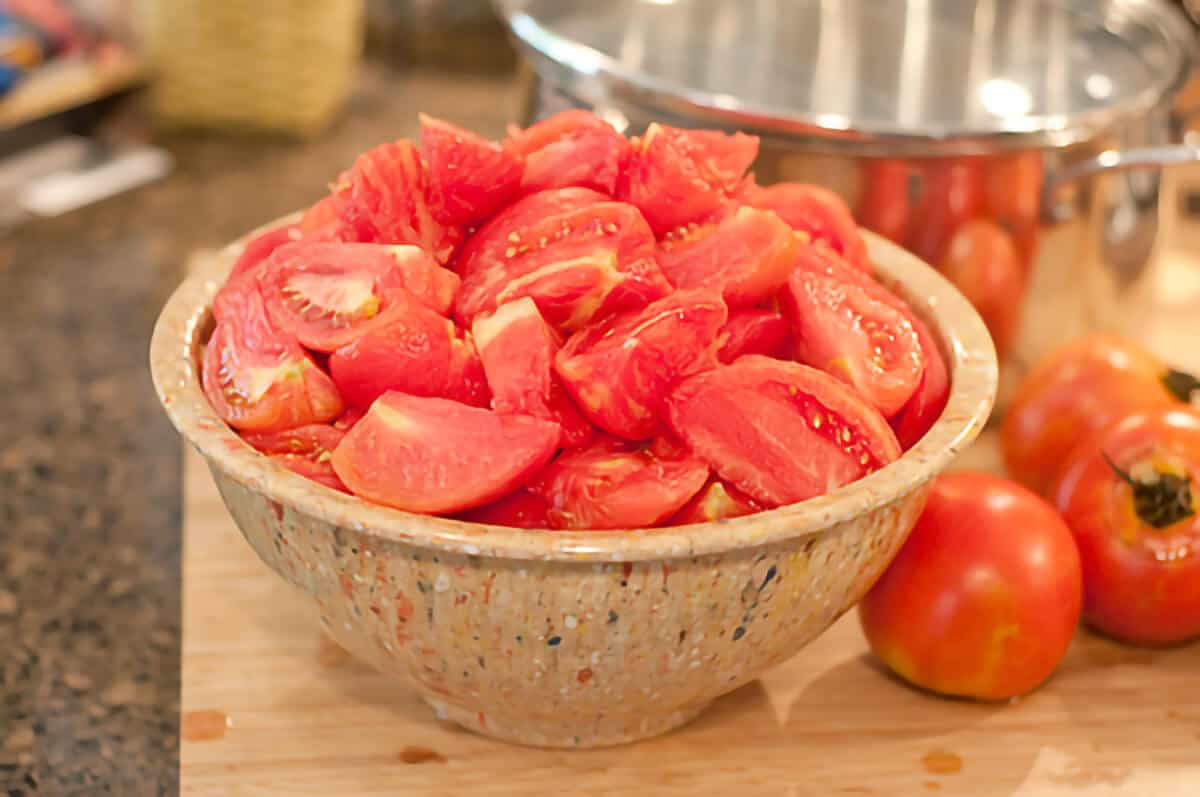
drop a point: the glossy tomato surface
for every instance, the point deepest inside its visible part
(1014, 198)
(982, 262)
(1131, 497)
(754, 331)
(416, 352)
(747, 256)
(439, 456)
(926, 405)
(470, 178)
(571, 148)
(846, 330)
(612, 484)
(259, 379)
(1074, 393)
(817, 212)
(952, 193)
(780, 432)
(680, 177)
(885, 207)
(983, 599)
(620, 371)
(574, 257)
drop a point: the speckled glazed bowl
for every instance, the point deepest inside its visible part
(576, 639)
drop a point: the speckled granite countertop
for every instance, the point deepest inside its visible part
(90, 467)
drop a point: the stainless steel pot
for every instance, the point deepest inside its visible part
(841, 91)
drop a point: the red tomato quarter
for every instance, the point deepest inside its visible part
(781, 432)
(258, 379)
(715, 501)
(416, 351)
(572, 148)
(521, 509)
(845, 329)
(754, 331)
(926, 405)
(1075, 393)
(983, 599)
(818, 212)
(305, 450)
(621, 371)
(517, 349)
(470, 178)
(1130, 496)
(982, 262)
(613, 485)
(260, 247)
(679, 177)
(438, 456)
(747, 256)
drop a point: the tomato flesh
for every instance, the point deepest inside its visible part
(517, 350)
(620, 371)
(439, 456)
(780, 432)
(817, 212)
(679, 177)
(926, 405)
(305, 450)
(260, 247)
(470, 178)
(612, 485)
(715, 501)
(844, 330)
(381, 199)
(983, 599)
(416, 351)
(520, 509)
(320, 222)
(259, 379)
(571, 148)
(747, 256)
(1130, 497)
(754, 331)
(576, 263)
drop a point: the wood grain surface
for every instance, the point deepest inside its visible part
(270, 707)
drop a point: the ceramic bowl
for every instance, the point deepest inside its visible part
(576, 639)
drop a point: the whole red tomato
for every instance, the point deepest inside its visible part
(1014, 198)
(885, 207)
(982, 262)
(1076, 392)
(952, 193)
(1131, 498)
(984, 597)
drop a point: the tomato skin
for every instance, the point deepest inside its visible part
(571, 148)
(754, 331)
(1014, 198)
(845, 329)
(260, 247)
(320, 222)
(952, 193)
(715, 501)
(1072, 394)
(817, 212)
(926, 405)
(679, 177)
(885, 207)
(982, 262)
(520, 509)
(1141, 583)
(620, 371)
(984, 597)
(748, 256)
(721, 414)
(470, 178)
(320, 472)
(417, 352)
(438, 456)
(612, 484)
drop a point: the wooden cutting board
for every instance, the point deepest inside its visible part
(271, 707)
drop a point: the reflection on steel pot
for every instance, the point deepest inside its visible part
(1049, 119)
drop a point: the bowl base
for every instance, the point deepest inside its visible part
(603, 732)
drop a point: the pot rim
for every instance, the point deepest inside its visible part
(597, 79)
(186, 321)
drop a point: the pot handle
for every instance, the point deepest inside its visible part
(1115, 160)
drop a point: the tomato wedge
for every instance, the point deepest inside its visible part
(620, 371)
(818, 212)
(517, 350)
(747, 256)
(327, 294)
(574, 261)
(754, 331)
(679, 177)
(381, 199)
(258, 379)
(715, 501)
(613, 485)
(414, 351)
(470, 178)
(521, 509)
(846, 330)
(571, 148)
(926, 405)
(305, 450)
(260, 247)
(438, 456)
(780, 432)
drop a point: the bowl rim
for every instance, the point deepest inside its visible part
(175, 354)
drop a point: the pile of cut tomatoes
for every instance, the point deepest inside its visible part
(571, 330)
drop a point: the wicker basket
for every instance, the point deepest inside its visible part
(283, 65)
